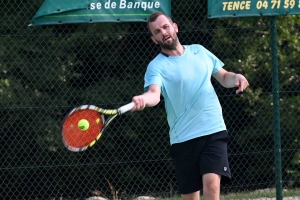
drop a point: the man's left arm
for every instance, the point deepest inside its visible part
(230, 79)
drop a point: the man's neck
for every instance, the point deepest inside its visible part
(176, 52)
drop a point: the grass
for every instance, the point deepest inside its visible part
(267, 193)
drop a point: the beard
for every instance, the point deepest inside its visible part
(169, 45)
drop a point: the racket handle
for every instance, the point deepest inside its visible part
(126, 108)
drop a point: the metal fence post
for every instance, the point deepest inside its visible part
(276, 109)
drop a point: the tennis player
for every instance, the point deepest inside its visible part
(198, 136)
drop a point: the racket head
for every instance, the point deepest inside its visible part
(76, 139)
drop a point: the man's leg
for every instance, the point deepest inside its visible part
(191, 196)
(211, 186)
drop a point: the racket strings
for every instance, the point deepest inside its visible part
(77, 139)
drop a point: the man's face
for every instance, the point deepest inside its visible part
(164, 33)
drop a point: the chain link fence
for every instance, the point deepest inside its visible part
(46, 71)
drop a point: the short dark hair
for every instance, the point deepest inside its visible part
(154, 16)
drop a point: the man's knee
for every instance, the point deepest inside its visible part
(212, 188)
(211, 184)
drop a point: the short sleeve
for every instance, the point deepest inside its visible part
(152, 76)
(217, 63)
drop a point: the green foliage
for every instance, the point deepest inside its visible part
(254, 61)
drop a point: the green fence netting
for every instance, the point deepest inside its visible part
(47, 70)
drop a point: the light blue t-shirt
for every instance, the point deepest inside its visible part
(192, 106)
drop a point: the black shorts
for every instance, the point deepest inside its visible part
(193, 158)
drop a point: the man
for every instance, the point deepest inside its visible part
(198, 136)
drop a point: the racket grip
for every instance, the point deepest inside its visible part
(126, 108)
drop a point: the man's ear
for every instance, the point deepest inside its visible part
(175, 27)
(153, 39)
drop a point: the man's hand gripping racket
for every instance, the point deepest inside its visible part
(84, 125)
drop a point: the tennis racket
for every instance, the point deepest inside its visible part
(83, 126)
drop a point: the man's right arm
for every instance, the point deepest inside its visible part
(148, 99)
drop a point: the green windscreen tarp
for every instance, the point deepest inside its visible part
(84, 11)
(246, 8)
